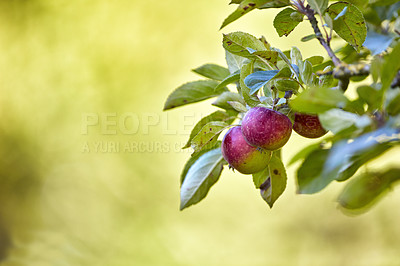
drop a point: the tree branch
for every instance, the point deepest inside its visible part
(314, 23)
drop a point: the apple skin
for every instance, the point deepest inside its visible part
(308, 125)
(240, 155)
(266, 128)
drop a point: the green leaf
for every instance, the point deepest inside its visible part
(225, 97)
(192, 92)
(260, 177)
(251, 100)
(269, 56)
(349, 169)
(304, 153)
(234, 62)
(326, 80)
(306, 72)
(367, 188)
(201, 176)
(296, 57)
(237, 106)
(216, 116)
(234, 77)
(212, 71)
(285, 22)
(309, 179)
(336, 161)
(393, 105)
(351, 26)
(193, 159)
(371, 96)
(390, 67)
(244, 7)
(238, 43)
(377, 43)
(318, 5)
(376, 67)
(258, 79)
(336, 120)
(208, 136)
(318, 99)
(315, 60)
(286, 84)
(275, 4)
(308, 38)
(275, 185)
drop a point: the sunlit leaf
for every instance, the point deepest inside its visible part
(201, 176)
(225, 97)
(207, 136)
(192, 92)
(351, 25)
(242, 44)
(284, 21)
(216, 116)
(275, 185)
(212, 71)
(318, 99)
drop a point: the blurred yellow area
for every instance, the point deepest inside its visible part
(90, 165)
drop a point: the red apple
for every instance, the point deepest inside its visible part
(266, 128)
(308, 126)
(240, 155)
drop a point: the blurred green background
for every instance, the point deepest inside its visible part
(76, 75)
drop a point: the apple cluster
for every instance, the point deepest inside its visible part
(247, 148)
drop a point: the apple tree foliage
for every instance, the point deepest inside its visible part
(258, 74)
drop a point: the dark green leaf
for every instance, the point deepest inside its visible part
(275, 4)
(275, 185)
(364, 190)
(371, 96)
(304, 153)
(201, 176)
(212, 71)
(318, 99)
(390, 67)
(351, 26)
(225, 97)
(286, 84)
(285, 23)
(244, 7)
(393, 106)
(192, 92)
(216, 116)
(238, 43)
(207, 136)
(309, 178)
(308, 38)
